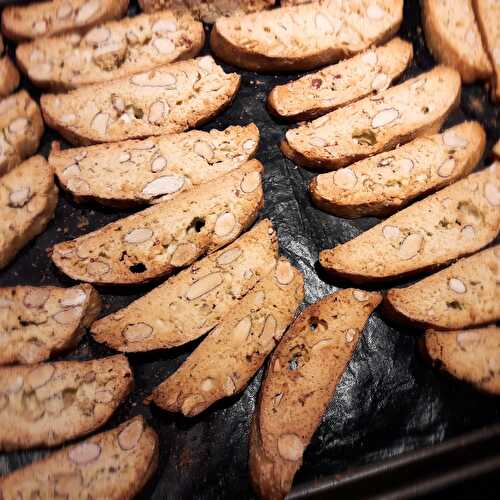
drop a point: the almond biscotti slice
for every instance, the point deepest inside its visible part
(28, 199)
(385, 183)
(375, 124)
(113, 465)
(38, 322)
(166, 100)
(488, 18)
(9, 76)
(335, 86)
(112, 50)
(463, 295)
(305, 36)
(40, 19)
(195, 300)
(21, 128)
(226, 360)
(453, 37)
(469, 355)
(51, 403)
(299, 383)
(454, 222)
(168, 236)
(156, 169)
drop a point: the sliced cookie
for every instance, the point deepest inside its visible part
(157, 169)
(300, 380)
(9, 76)
(113, 465)
(167, 236)
(194, 301)
(246, 335)
(384, 183)
(37, 322)
(454, 222)
(50, 403)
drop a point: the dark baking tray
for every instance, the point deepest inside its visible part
(390, 407)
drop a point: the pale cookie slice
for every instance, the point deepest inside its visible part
(168, 236)
(301, 379)
(154, 170)
(38, 322)
(21, 127)
(41, 19)
(246, 335)
(453, 37)
(496, 150)
(166, 100)
(305, 36)
(375, 124)
(113, 465)
(194, 301)
(51, 403)
(469, 355)
(463, 295)
(28, 199)
(335, 86)
(454, 222)
(112, 50)
(9, 76)
(488, 18)
(208, 11)
(384, 183)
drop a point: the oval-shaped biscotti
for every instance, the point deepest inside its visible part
(28, 199)
(9, 76)
(469, 355)
(114, 465)
(463, 295)
(37, 322)
(50, 403)
(300, 381)
(112, 50)
(168, 99)
(246, 335)
(153, 170)
(21, 128)
(335, 86)
(375, 124)
(454, 222)
(40, 19)
(384, 183)
(305, 36)
(168, 236)
(194, 301)
(453, 37)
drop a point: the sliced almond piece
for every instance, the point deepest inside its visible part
(207, 385)
(229, 386)
(380, 82)
(318, 346)
(167, 184)
(410, 246)
(268, 330)
(405, 166)
(359, 295)
(130, 436)
(139, 235)
(138, 332)
(457, 285)
(284, 272)
(164, 45)
(158, 164)
(225, 224)
(157, 112)
(39, 376)
(19, 125)
(40, 27)
(84, 453)
(73, 297)
(242, 330)
(290, 447)
(447, 167)
(350, 335)
(318, 141)
(249, 145)
(385, 117)
(391, 232)
(229, 256)
(98, 268)
(72, 170)
(98, 35)
(165, 26)
(492, 193)
(36, 297)
(69, 316)
(453, 140)
(124, 157)
(468, 231)
(184, 254)
(250, 182)
(204, 285)
(100, 123)
(345, 178)
(86, 11)
(153, 79)
(204, 149)
(370, 58)
(19, 197)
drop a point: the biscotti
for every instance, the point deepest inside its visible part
(40, 19)
(463, 295)
(488, 16)
(454, 222)
(156, 169)
(305, 36)
(469, 355)
(168, 236)
(385, 183)
(245, 336)
(453, 37)
(208, 11)
(300, 381)
(21, 128)
(165, 100)
(335, 86)
(113, 465)
(109, 51)
(9, 76)
(51, 403)
(28, 199)
(375, 124)
(37, 322)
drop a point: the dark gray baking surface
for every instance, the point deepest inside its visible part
(388, 401)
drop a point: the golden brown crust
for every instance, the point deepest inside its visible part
(9, 76)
